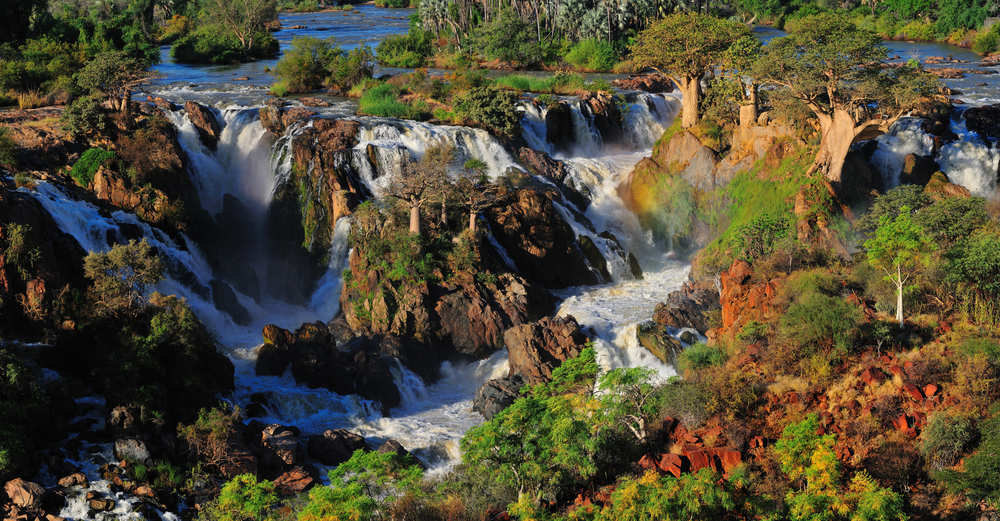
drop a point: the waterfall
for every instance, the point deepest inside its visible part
(906, 137)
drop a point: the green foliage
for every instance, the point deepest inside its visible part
(980, 478)
(818, 320)
(890, 203)
(699, 495)
(953, 15)
(509, 38)
(111, 73)
(242, 498)
(27, 412)
(592, 55)
(121, 275)
(8, 149)
(900, 246)
(19, 250)
(383, 100)
(90, 161)
(757, 238)
(212, 44)
(689, 402)
(558, 83)
(685, 45)
(408, 50)
(39, 64)
(973, 267)
(491, 108)
(951, 219)
(945, 439)
(312, 63)
(700, 356)
(84, 117)
(363, 487)
(629, 400)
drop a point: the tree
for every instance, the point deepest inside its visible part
(121, 276)
(245, 19)
(242, 499)
(303, 67)
(974, 268)
(835, 69)
(477, 192)
(630, 399)
(898, 248)
(18, 17)
(113, 74)
(420, 182)
(362, 487)
(739, 59)
(683, 47)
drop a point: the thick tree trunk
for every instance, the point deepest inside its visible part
(690, 96)
(748, 116)
(472, 222)
(415, 220)
(838, 135)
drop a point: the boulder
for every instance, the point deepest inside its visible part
(294, 482)
(393, 447)
(559, 126)
(657, 340)
(225, 299)
(132, 450)
(496, 395)
(939, 187)
(203, 119)
(604, 113)
(280, 449)
(917, 170)
(688, 307)
(537, 238)
(335, 446)
(984, 120)
(24, 494)
(101, 504)
(537, 348)
(76, 479)
(645, 82)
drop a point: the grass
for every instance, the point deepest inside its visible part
(559, 83)
(383, 100)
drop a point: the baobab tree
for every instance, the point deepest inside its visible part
(684, 47)
(423, 181)
(836, 69)
(476, 190)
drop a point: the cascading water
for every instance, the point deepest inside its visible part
(906, 137)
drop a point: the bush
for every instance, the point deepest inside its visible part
(364, 487)
(121, 276)
(383, 100)
(405, 50)
(26, 410)
(211, 44)
(689, 402)
(700, 356)
(491, 108)
(818, 320)
(980, 479)
(987, 42)
(592, 55)
(312, 63)
(509, 38)
(85, 117)
(242, 499)
(8, 149)
(757, 238)
(945, 439)
(86, 167)
(210, 435)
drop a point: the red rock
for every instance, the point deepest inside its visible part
(294, 482)
(24, 494)
(913, 392)
(72, 480)
(757, 442)
(699, 459)
(872, 376)
(896, 370)
(902, 423)
(671, 464)
(729, 459)
(646, 462)
(930, 390)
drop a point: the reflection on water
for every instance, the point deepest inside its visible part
(363, 25)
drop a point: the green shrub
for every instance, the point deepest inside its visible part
(212, 44)
(243, 498)
(85, 117)
(592, 55)
(980, 477)
(757, 238)
(689, 402)
(383, 100)
(8, 149)
(700, 356)
(989, 347)
(753, 332)
(816, 320)
(405, 50)
(987, 42)
(313, 63)
(395, 4)
(945, 439)
(345, 70)
(26, 410)
(491, 108)
(84, 169)
(509, 38)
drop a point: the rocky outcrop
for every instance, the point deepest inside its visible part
(294, 482)
(688, 307)
(939, 187)
(537, 238)
(535, 349)
(203, 119)
(335, 446)
(358, 367)
(645, 82)
(41, 142)
(33, 276)
(917, 170)
(984, 121)
(656, 338)
(496, 395)
(559, 125)
(279, 450)
(602, 109)
(742, 299)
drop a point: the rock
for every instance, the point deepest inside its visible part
(542, 164)
(604, 113)
(645, 82)
(699, 459)
(294, 482)
(272, 359)
(671, 464)
(633, 266)
(76, 479)
(144, 491)
(204, 121)
(280, 449)
(913, 392)
(872, 376)
(131, 450)
(393, 447)
(688, 307)
(984, 120)
(537, 348)
(24, 494)
(931, 390)
(559, 125)
(594, 257)
(496, 395)
(101, 505)
(335, 446)
(537, 238)
(917, 170)
(939, 187)
(657, 340)
(225, 299)
(741, 300)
